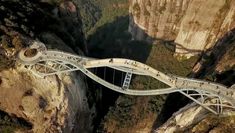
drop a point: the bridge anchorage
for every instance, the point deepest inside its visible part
(41, 62)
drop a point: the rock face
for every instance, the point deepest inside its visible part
(195, 119)
(194, 25)
(52, 104)
(35, 18)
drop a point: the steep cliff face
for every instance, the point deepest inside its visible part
(194, 25)
(51, 104)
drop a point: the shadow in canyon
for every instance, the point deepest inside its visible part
(226, 78)
(37, 19)
(209, 59)
(8, 123)
(112, 40)
(174, 101)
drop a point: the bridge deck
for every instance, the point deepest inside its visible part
(56, 62)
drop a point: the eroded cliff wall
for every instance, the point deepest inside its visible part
(194, 25)
(52, 104)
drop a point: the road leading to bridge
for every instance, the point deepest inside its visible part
(212, 96)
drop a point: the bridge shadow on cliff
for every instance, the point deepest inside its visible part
(168, 43)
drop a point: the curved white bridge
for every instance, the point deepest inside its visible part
(212, 96)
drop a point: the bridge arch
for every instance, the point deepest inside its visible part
(212, 96)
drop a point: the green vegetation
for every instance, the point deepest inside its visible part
(99, 12)
(110, 10)
(113, 40)
(90, 13)
(9, 124)
(110, 38)
(5, 62)
(7, 129)
(129, 110)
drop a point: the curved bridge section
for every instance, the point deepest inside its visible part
(212, 96)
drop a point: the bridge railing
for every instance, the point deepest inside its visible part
(56, 62)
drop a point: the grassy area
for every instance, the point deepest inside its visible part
(110, 10)
(96, 13)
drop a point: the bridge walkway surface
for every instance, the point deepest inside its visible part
(212, 96)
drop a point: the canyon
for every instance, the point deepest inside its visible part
(153, 32)
(51, 104)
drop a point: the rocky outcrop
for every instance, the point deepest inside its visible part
(35, 18)
(195, 119)
(55, 103)
(194, 25)
(50, 104)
